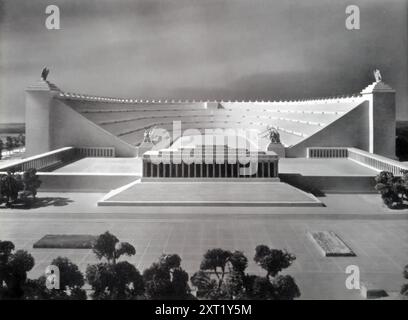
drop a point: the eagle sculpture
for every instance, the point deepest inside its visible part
(377, 75)
(272, 133)
(44, 73)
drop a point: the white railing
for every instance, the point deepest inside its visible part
(376, 161)
(100, 152)
(371, 160)
(58, 157)
(42, 161)
(327, 152)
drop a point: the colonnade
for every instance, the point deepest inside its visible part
(211, 170)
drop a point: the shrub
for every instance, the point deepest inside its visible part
(71, 281)
(272, 260)
(13, 270)
(166, 279)
(114, 280)
(108, 246)
(404, 288)
(14, 186)
(222, 276)
(393, 189)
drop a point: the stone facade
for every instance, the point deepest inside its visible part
(209, 162)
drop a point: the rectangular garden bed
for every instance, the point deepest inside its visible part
(66, 241)
(330, 244)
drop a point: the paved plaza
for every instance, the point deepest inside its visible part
(255, 193)
(303, 166)
(104, 165)
(377, 235)
(323, 167)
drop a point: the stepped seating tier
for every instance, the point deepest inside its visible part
(118, 118)
(295, 121)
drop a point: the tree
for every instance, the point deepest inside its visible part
(236, 285)
(216, 261)
(404, 180)
(11, 184)
(272, 260)
(260, 288)
(405, 272)
(15, 142)
(206, 287)
(280, 288)
(21, 140)
(391, 188)
(231, 281)
(1, 148)
(13, 270)
(108, 246)
(166, 279)
(31, 182)
(6, 248)
(115, 281)
(229, 271)
(9, 188)
(285, 288)
(100, 277)
(71, 279)
(9, 143)
(71, 282)
(238, 261)
(404, 288)
(36, 290)
(157, 282)
(236, 279)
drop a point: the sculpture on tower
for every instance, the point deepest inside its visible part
(377, 75)
(273, 134)
(275, 144)
(148, 135)
(44, 73)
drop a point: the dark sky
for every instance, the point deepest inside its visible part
(202, 49)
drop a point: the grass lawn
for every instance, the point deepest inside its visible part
(66, 241)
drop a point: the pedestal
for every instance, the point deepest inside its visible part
(278, 148)
(382, 119)
(143, 147)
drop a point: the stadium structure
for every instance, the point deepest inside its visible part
(209, 153)
(58, 119)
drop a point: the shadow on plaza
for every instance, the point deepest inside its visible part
(402, 206)
(42, 202)
(302, 183)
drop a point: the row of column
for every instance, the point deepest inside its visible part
(225, 170)
(97, 152)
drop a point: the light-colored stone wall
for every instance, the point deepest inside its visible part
(384, 124)
(38, 137)
(69, 128)
(351, 130)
